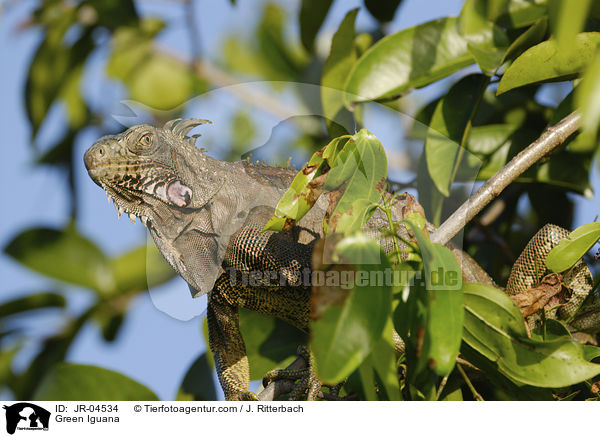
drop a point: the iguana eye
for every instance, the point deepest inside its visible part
(146, 140)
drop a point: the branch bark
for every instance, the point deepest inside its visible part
(550, 139)
(281, 386)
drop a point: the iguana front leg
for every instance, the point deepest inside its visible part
(263, 274)
(225, 338)
(227, 344)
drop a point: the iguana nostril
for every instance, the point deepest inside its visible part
(93, 156)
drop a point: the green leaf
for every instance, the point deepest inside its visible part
(487, 41)
(78, 382)
(367, 379)
(587, 96)
(341, 58)
(518, 13)
(270, 343)
(449, 130)
(429, 196)
(355, 183)
(495, 328)
(32, 302)
(530, 37)
(6, 358)
(352, 169)
(312, 15)
(507, 387)
(114, 13)
(198, 383)
(272, 46)
(306, 187)
(570, 250)
(161, 83)
(550, 330)
(383, 359)
(153, 78)
(543, 63)
(382, 10)
(411, 58)
(140, 269)
(567, 19)
(444, 320)
(349, 316)
(591, 352)
(583, 141)
(496, 145)
(64, 255)
(111, 323)
(55, 71)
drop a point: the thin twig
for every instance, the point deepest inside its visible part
(550, 139)
(441, 387)
(474, 392)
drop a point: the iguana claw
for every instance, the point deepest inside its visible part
(248, 396)
(307, 382)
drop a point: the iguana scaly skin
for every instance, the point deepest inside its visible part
(206, 217)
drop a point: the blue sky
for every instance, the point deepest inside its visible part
(154, 347)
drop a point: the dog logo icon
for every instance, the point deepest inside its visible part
(26, 416)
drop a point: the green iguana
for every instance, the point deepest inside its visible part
(207, 218)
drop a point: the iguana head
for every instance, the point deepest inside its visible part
(153, 173)
(159, 175)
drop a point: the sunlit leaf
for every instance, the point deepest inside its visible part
(444, 320)
(348, 317)
(495, 328)
(487, 41)
(341, 58)
(570, 250)
(355, 183)
(78, 382)
(543, 63)
(530, 37)
(306, 187)
(567, 19)
(587, 98)
(449, 130)
(519, 13)
(411, 58)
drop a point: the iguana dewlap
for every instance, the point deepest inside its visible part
(206, 217)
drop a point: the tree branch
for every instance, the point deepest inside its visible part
(550, 139)
(281, 386)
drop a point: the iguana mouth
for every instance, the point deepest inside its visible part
(123, 207)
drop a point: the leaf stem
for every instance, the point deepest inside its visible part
(474, 392)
